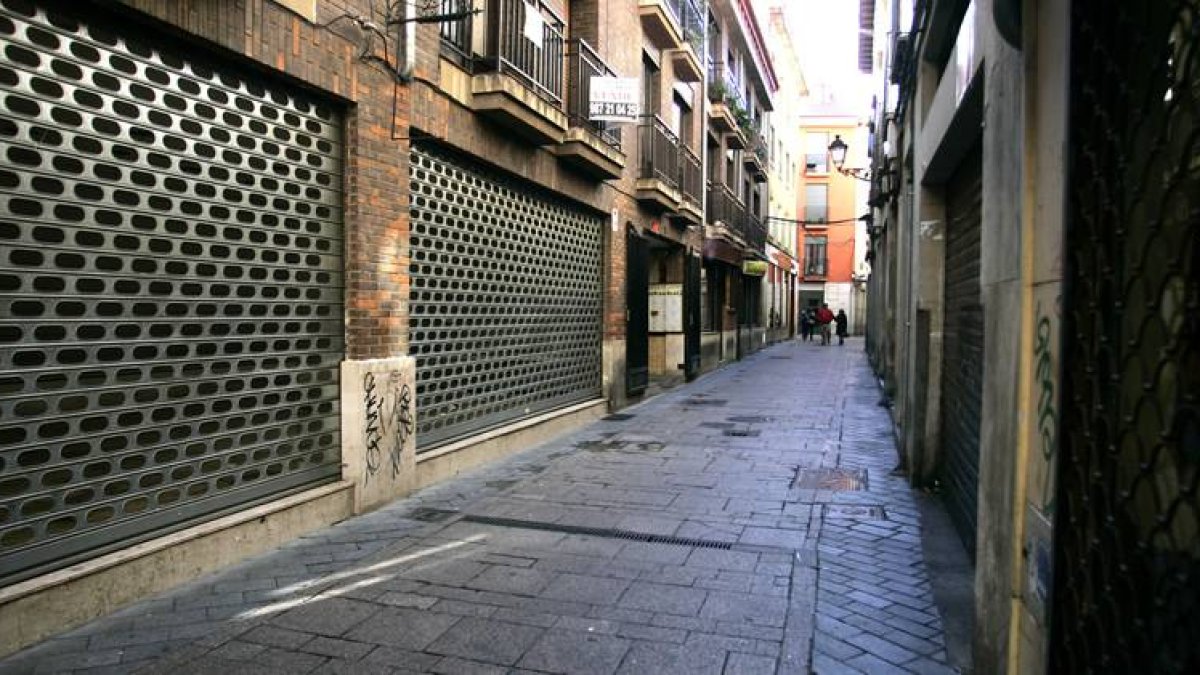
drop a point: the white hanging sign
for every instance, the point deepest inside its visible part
(534, 25)
(614, 99)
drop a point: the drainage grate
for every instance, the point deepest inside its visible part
(782, 358)
(855, 512)
(743, 433)
(749, 419)
(831, 479)
(717, 425)
(607, 533)
(618, 417)
(428, 515)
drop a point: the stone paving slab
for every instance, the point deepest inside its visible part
(771, 578)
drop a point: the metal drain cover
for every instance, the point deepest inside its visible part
(831, 478)
(428, 515)
(855, 512)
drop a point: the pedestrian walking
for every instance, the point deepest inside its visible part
(805, 325)
(824, 319)
(842, 326)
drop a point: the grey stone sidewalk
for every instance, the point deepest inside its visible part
(745, 523)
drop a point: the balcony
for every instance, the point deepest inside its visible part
(518, 83)
(755, 233)
(691, 184)
(724, 208)
(755, 157)
(593, 148)
(814, 268)
(686, 57)
(726, 111)
(658, 165)
(661, 22)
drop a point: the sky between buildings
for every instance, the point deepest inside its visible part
(825, 33)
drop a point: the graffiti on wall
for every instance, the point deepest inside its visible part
(387, 422)
(1045, 379)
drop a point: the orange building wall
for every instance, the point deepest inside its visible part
(839, 247)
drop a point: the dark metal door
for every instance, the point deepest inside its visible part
(962, 350)
(505, 302)
(691, 316)
(637, 309)
(171, 313)
(1126, 595)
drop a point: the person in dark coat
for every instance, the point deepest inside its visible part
(805, 325)
(843, 328)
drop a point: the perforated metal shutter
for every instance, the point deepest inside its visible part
(505, 302)
(170, 289)
(962, 345)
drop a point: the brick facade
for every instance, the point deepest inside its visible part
(262, 34)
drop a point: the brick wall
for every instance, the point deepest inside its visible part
(264, 35)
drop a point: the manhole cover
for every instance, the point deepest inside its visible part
(855, 512)
(826, 478)
(428, 515)
(743, 433)
(617, 417)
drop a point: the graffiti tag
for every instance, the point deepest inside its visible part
(1047, 412)
(387, 422)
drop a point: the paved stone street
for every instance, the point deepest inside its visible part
(745, 523)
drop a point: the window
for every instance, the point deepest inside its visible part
(650, 76)
(682, 118)
(814, 256)
(817, 151)
(816, 203)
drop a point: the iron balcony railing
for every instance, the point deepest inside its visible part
(456, 35)
(512, 52)
(755, 233)
(725, 207)
(658, 151)
(691, 178)
(757, 145)
(583, 63)
(724, 87)
(814, 267)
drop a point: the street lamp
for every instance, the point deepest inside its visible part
(837, 152)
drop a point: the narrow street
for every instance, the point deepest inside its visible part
(749, 522)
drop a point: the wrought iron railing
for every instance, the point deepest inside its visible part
(583, 63)
(456, 34)
(815, 267)
(691, 178)
(511, 51)
(724, 87)
(658, 151)
(724, 206)
(757, 145)
(755, 233)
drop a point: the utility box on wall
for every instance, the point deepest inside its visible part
(666, 308)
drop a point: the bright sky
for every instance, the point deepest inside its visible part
(825, 33)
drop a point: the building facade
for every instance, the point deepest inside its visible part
(271, 264)
(783, 250)
(831, 204)
(1035, 362)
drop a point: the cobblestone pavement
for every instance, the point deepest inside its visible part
(745, 523)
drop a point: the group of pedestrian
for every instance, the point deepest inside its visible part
(822, 321)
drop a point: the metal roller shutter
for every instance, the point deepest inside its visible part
(962, 360)
(505, 303)
(170, 289)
